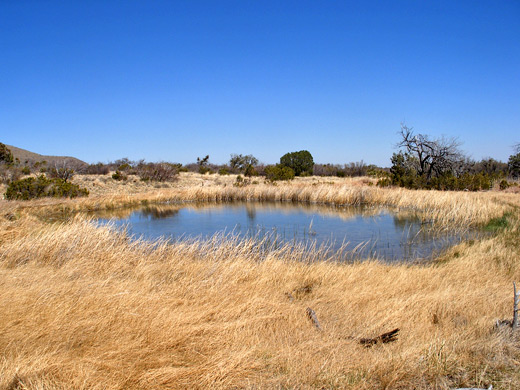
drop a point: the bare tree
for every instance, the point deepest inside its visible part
(433, 156)
(61, 171)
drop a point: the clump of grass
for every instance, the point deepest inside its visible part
(499, 223)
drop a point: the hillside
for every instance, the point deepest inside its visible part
(27, 157)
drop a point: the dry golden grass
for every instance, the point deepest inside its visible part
(449, 209)
(84, 307)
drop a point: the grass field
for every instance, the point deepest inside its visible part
(84, 307)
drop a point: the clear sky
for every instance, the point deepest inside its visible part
(174, 80)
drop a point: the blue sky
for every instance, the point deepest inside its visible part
(172, 80)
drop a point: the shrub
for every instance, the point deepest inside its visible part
(62, 173)
(504, 184)
(97, 169)
(9, 173)
(41, 186)
(384, 182)
(300, 162)
(203, 164)
(64, 189)
(26, 170)
(240, 181)
(223, 171)
(157, 171)
(119, 176)
(124, 167)
(5, 154)
(278, 172)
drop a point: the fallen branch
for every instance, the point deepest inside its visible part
(313, 317)
(384, 338)
(516, 301)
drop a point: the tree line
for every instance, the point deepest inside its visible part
(425, 163)
(420, 162)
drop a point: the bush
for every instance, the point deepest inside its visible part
(240, 181)
(5, 154)
(278, 172)
(64, 189)
(300, 162)
(157, 171)
(9, 173)
(97, 169)
(119, 176)
(62, 173)
(41, 186)
(26, 170)
(384, 182)
(504, 184)
(203, 164)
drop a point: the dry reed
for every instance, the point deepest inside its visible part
(84, 307)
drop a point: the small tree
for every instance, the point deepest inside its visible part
(203, 164)
(300, 162)
(244, 164)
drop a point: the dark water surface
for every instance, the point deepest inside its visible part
(354, 231)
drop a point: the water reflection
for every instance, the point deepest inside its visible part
(358, 232)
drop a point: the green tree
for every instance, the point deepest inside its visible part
(244, 164)
(300, 162)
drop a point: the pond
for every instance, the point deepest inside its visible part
(355, 232)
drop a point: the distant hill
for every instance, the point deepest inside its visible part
(30, 158)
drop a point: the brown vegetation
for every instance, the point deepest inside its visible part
(84, 307)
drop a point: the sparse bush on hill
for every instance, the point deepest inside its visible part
(9, 173)
(6, 157)
(278, 172)
(42, 186)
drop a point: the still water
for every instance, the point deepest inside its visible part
(354, 231)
